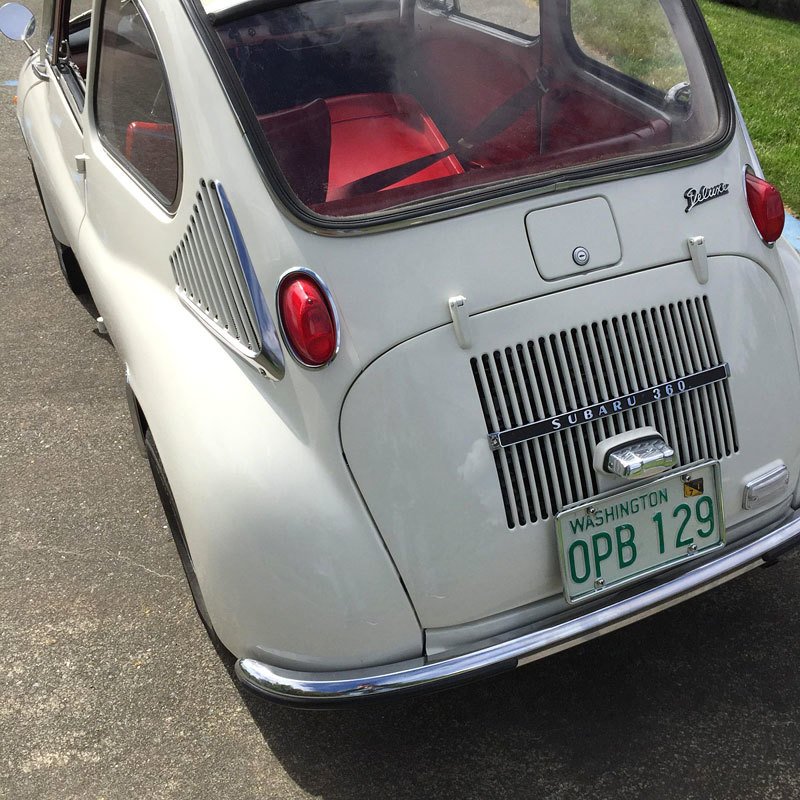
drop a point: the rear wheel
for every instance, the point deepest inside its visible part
(71, 270)
(176, 528)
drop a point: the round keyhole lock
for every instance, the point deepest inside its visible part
(580, 255)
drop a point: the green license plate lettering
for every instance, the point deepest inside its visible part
(626, 545)
(622, 537)
(704, 511)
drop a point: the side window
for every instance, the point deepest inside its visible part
(72, 20)
(634, 39)
(518, 16)
(78, 18)
(133, 110)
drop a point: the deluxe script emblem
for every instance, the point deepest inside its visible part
(694, 197)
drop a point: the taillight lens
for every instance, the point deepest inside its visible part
(766, 206)
(308, 320)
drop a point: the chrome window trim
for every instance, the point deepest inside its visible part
(452, 10)
(266, 364)
(754, 159)
(140, 180)
(331, 305)
(269, 360)
(55, 65)
(73, 88)
(59, 23)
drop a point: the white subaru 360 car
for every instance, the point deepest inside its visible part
(457, 332)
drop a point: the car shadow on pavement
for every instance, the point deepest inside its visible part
(703, 695)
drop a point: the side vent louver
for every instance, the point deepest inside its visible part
(214, 278)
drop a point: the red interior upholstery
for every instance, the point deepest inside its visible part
(331, 143)
(326, 145)
(464, 82)
(372, 132)
(647, 137)
(574, 117)
(300, 138)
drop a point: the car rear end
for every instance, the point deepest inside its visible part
(569, 338)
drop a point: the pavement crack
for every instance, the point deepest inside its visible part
(84, 555)
(120, 557)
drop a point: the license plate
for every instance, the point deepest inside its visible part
(620, 538)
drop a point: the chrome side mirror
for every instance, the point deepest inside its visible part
(17, 23)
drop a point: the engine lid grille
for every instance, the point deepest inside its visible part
(582, 367)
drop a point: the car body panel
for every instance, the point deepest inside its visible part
(351, 516)
(54, 138)
(186, 381)
(414, 436)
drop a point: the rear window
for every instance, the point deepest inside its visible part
(369, 106)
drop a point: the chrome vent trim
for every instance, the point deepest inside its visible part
(575, 368)
(215, 279)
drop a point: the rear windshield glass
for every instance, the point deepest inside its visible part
(372, 105)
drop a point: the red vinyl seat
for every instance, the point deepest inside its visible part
(327, 144)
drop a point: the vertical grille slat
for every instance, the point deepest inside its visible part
(545, 449)
(659, 361)
(708, 394)
(725, 414)
(532, 449)
(224, 308)
(676, 403)
(586, 442)
(211, 276)
(703, 418)
(575, 368)
(564, 442)
(692, 452)
(692, 411)
(182, 278)
(490, 406)
(233, 274)
(203, 293)
(522, 450)
(509, 420)
(187, 278)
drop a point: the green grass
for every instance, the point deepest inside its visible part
(761, 55)
(649, 52)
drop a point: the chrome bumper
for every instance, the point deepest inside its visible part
(427, 674)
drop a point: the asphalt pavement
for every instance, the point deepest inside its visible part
(109, 687)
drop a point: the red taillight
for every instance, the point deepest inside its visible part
(766, 206)
(308, 319)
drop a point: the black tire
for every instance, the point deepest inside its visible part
(71, 270)
(178, 536)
